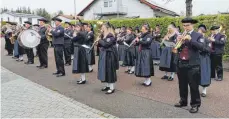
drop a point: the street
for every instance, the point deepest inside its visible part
(131, 99)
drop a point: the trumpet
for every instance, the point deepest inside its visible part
(134, 41)
(180, 42)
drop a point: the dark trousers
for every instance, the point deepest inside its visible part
(58, 53)
(189, 76)
(97, 50)
(67, 53)
(42, 52)
(9, 46)
(30, 55)
(216, 65)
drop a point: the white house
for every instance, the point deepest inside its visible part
(20, 18)
(107, 9)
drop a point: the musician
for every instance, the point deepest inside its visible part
(144, 63)
(155, 45)
(205, 61)
(58, 44)
(80, 63)
(89, 42)
(42, 48)
(167, 63)
(67, 43)
(218, 44)
(8, 33)
(129, 53)
(108, 59)
(21, 50)
(29, 51)
(188, 63)
(15, 43)
(121, 47)
(72, 45)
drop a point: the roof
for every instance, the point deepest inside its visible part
(67, 16)
(22, 15)
(149, 3)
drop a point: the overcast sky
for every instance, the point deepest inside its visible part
(199, 6)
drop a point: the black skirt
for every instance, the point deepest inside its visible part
(172, 67)
(121, 50)
(129, 56)
(80, 63)
(107, 66)
(144, 64)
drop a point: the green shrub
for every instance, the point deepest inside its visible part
(165, 21)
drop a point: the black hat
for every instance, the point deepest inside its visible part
(79, 24)
(202, 27)
(215, 27)
(130, 28)
(56, 19)
(84, 23)
(68, 23)
(43, 19)
(28, 22)
(13, 23)
(189, 20)
(36, 25)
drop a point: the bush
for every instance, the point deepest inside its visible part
(165, 21)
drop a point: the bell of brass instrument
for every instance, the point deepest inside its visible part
(180, 42)
(48, 33)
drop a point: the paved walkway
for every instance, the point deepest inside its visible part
(22, 98)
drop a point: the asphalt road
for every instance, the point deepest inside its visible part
(131, 99)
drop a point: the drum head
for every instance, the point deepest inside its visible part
(29, 38)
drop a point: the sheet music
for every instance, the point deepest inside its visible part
(169, 44)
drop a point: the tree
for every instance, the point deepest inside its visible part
(43, 13)
(188, 6)
(29, 11)
(60, 12)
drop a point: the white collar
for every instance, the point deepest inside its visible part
(190, 32)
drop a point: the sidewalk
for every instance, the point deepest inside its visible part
(22, 98)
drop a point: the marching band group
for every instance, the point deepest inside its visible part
(195, 57)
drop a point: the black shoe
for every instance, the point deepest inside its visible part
(180, 105)
(43, 67)
(203, 95)
(91, 70)
(219, 79)
(81, 82)
(68, 64)
(105, 89)
(39, 66)
(110, 91)
(127, 71)
(194, 109)
(56, 73)
(30, 62)
(60, 75)
(148, 84)
(131, 72)
(165, 77)
(170, 79)
(19, 60)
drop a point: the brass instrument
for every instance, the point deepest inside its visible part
(48, 33)
(180, 42)
(15, 32)
(134, 41)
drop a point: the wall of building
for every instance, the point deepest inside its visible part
(132, 7)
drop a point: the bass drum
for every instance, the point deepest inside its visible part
(29, 39)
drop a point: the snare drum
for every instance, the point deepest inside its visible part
(29, 38)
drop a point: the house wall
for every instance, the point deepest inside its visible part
(131, 7)
(64, 19)
(5, 16)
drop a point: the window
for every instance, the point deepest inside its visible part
(108, 3)
(8, 19)
(20, 20)
(105, 3)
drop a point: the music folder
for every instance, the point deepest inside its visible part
(169, 44)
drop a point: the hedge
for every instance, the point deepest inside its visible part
(165, 21)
